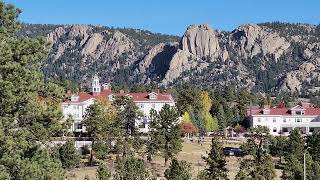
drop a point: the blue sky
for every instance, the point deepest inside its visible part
(167, 16)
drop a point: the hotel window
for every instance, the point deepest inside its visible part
(298, 120)
(284, 120)
(274, 129)
(274, 120)
(285, 129)
(311, 129)
(259, 119)
(153, 105)
(141, 105)
(79, 126)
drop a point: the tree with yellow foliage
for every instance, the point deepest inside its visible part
(210, 122)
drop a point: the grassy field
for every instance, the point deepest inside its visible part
(191, 152)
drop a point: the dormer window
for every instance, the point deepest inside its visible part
(266, 111)
(152, 96)
(74, 98)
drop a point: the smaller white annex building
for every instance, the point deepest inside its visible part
(78, 103)
(281, 120)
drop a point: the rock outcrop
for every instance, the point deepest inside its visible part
(252, 39)
(270, 56)
(92, 44)
(201, 41)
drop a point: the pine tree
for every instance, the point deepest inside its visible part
(313, 143)
(103, 173)
(68, 154)
(259, 165)
(216, 162)
(165, 132)
(178, 170)
(278, 146)
(101, 124)
(130, 167)
(28, 116)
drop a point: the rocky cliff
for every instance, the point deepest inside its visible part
(267, 57)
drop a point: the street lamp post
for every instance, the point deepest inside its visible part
(304, 164)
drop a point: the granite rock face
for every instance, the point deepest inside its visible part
(287, 54)
(201, 41)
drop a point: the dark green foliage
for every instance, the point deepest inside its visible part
(68, 154)
(259, 165)
(188, 97)
(128, 114)
(28, 116)
(165, 132)
(102, 149)
(216, 163)
(103, 173)
(295, 145)
(178, 170)
(278, 146)
(131, 168)
(313, 143)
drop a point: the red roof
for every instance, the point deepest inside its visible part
(145, 96)
(310, 111)
(83, 96)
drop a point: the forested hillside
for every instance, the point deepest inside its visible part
(267, 57)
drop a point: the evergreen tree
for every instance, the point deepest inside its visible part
(28, 117)
(101, 124)
(68, 154)
(278, 146)
(128, 112)
(295, 145)
(313, 142)
(131, 168)
(216, 163)
(165, 132)
(259, 165)
(103, 173)
(178, 170)
(221, 117)
(189, 95)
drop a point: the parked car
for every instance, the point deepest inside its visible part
(231, 151)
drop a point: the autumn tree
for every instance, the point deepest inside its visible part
(187, 127)
(206, 103)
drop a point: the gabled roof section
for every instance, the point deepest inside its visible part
(297, 107)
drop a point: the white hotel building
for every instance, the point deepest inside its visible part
(282, 120)
(78, 103)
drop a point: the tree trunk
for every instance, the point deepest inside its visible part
(165, 161)
(91, 154)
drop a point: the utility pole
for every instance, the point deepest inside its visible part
(304, 166)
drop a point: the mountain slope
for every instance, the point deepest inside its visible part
(268, 57)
